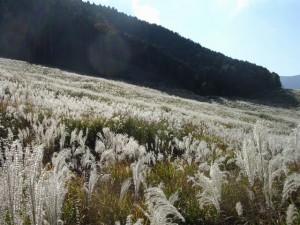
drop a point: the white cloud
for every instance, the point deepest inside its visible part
(235, 5)
(145, 12)
(241, 4)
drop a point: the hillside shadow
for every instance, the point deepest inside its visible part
(285, 98)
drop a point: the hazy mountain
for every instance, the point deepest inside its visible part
(290, 82)
(103, 42)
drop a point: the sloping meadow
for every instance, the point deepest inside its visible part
(83, 150)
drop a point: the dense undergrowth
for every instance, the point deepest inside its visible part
(79, 160)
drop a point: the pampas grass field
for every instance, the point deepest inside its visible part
(83, 150)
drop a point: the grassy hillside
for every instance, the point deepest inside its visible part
(82, 150)
(102, 42)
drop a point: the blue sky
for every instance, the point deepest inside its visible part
(264, 32)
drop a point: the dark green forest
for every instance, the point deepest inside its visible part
(101, 41)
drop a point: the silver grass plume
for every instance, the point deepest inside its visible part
(139, 170)
(251, 158)
(292, 150)
(275, 168)
(239, 208)
(211, 187)
(257, 161)
(35, 180)
(56, 188)
(193, 149)
(11, 178)
(63, 134)
(24, 185)
(124, 189)
(114, 148)
(247, 161)
(291, 184)
(90, 186)
(129, 221)
(174, 198)
(159, 210)
(291, 214)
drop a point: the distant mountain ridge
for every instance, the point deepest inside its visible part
(101, 41)
(290, 82)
